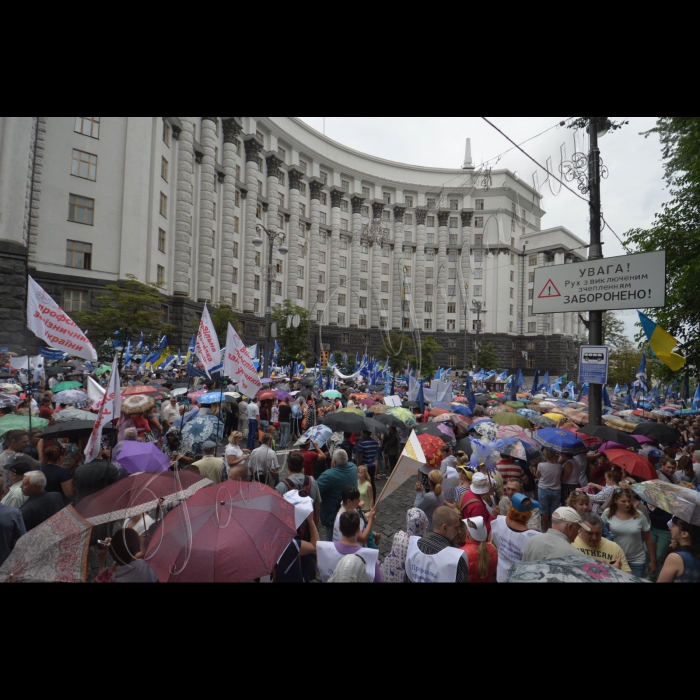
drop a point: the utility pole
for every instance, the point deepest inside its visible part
(595, 402)
(479, 308)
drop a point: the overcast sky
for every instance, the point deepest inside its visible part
(632, 195)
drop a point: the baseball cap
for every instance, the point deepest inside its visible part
(209, 446)
(523, 504)
(22, 464)
(569, 515)
(481, 484)
(656, 454)
(476, 527)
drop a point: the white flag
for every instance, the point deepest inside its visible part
(47, 321)
(239, 367)
(110, 408)
(94, 390)
(408, 466)
(207, 347)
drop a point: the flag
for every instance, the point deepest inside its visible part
(662, 343)
(179, 357)
(617, 390)
(421, 397)
(94, 390)
(469, 393)
(190, 351)
(641, 383)
(52, 355)
(140, 345)
(545, 384)
(48, 321)
(584, 392)
(535, 384)
(276, 352)
(629, 402)
(239, 366)
(686, 386)
(127, 356)
(606, 398)
(696, 399)
(208, 348)
(408, 467)
(163, 343)
(519, 380)
(110, 408)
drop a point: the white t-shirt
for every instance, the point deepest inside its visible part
(253, 412)
(628, 534)
(510, 545)
(232, 451)
(336, 528)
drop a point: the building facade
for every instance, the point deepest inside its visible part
(374, 245)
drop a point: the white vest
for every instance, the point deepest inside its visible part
(329, 558)
(436, 568)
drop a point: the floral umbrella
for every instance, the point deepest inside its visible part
(515, 404)
(432, 448)
(79, 399)
(380, 408)
(542, 422)
(137, 405)
(319, 434)
(569, 570)
(497, 411)
(9, 401)
(674, 499)
(489, 431)
(404, 415)
(438, 412)
(140, 391)
(514, 431)
(199, 430)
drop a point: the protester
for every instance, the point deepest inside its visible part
(592, 544)
(129, 567)
(571, 476)
(40, 505)
(432, 500)
(367, 452)
(170, 412)
(298, 481)
(180, 456)
(350, 501)
(685, 471)
(477, 502)
(210, 466)
(313, 455)
(435, 558)
(557, 542)
(91, 478)
(510, 470)
(253, 415)
(667, 471)
(392, 449)
(394, 566)
(511, 533)
(290, 567)
(604, 494)
(236, 458)
(366, 490)
(17, 466)
(631, 531)
(263, 464)
(331, 485)
(11, 529)
(683, 565)
(285, 420)
(550, 475)
(17, 441)
(513, 487)
(351, 569)
(482, 556)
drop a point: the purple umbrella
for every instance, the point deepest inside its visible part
(446, 431)
(138, 457)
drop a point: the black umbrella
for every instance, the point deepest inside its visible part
(665, 434)
(59, 369)
(433, 429)
(74, 429)
(465, 445)
(482, 400)
(411, 404)
(390, 421)
(305, 394)
(7, 376)
(376, 427)
(308, 382)
(378, 388)
(610, 435)
(345, 422)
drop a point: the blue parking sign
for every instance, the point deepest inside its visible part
(594, 364)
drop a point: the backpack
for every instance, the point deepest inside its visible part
(463, 506)
(304, 492)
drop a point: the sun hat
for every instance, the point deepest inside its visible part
(476, 527)
(569, 515)
(351, 569)
(523, 504)
(481, 484)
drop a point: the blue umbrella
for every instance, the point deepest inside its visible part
(462, 411)
(319, 434)
(209, 399)
(560, 441)
(201, 429)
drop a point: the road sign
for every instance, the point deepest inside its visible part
(609, 284)
(594, 364)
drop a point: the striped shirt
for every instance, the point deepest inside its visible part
(368, 449)
(510, 470)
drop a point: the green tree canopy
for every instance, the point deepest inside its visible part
(221, 316)
(488, 358)
(293, 342)
(428, 349)
(397, 349)
(129, 307)
(676, 230)
(613, 330)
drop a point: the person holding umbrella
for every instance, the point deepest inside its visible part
(683, 565)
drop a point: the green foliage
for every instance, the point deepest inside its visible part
(624, 363)
(396, 349)
(221, 316)
(293, 342)
(346, 367)
(488, 358)
(129, 307)
(582, 123)
(428, 349)
(677, 231)
(613, 330)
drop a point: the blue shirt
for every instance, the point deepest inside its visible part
(368, 449)
(11, 529)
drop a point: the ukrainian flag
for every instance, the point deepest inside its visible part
(662, 343)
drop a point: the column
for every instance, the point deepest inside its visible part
(568, 325)
(295, 175)
(273, 210)
(398, 305)
(334, 280)
(375, 284)
(183, 210)
(443, 220)
(466, 266)
(205, 250)
(253, 146)
(419, 287)
(357, 201)
(232, 130)
(315, 187)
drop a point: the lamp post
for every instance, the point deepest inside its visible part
(479, 308)
(271, 274)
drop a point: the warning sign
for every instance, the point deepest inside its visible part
(550, 291)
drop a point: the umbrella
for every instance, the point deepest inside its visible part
(569, 570)
(512, 419)
(58, 369)
(665, 434)
(465, 445)
(235, 533)
(13, 422)
(9, 401)
(214, 397)
(489, 431)
(542, 422)
(379, 409)
(139, 494)
(411, 404)
(72, 398)
(74, 414)
(461, 399)
(267, 381)
(560, 441)
(434, 430)
(497, 411)
(102, 370)
(232, 395)
(137, 405)
(482, 400)
(514, 431)
(262, 395)
(138, 457)
(632, 463)
(11, 388)
(74, 429)
(139, 391)
(579, 417)
(556, 418)
(438, 412)
(462, 411)
(376, 427)
(332, 394)
(612, 446)
(199, 430)
(345, 422)
(515, 449)
(447, 431)
(179, 392)
(404, 415)
(368, 402)
(674, 499)
(320, 434)
(390, 421)
(515, 404)
(527, 413)
(66, 386)
(432, 449)
(611, 435)
(54, 552)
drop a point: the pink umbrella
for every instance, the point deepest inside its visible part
(196, 395)
(368, 402)
(514, 431)
(613, 446)
(643, 440)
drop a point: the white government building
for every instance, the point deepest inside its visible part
(373, 245)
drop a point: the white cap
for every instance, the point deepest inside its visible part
(481, 484)
(569, 515)
(476, 527)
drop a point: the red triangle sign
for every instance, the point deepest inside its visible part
(550, 291)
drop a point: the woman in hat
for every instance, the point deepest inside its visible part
(478, 501)
(510, 534)
(483, 556)
(394, 566)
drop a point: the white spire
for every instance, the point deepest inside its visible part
(468, 163)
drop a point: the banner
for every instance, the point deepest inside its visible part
(408, 466)
(207, 345)
(239, 366)
(47, 321)
(94, 390)
(347, 377)
(110, 408)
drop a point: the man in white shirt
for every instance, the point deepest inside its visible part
(170, 412)
(253, 414)
(16, 469)
(263, 463)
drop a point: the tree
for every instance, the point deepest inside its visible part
(613, 330)
(488, 358)
(346, 367)
(677, 231)
(221, 316)
(582, 123)
(395, 347)
(624, 363)
(293, 342)
(129, 308)
(428, 349)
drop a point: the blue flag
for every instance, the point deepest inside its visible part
(606, 398)
(629, 402)
(584, 392)
(421, 398)
(642, 383)
(617, 390)
(536, 383)
(471, 398)
(696, 399)
(127, 356)
(686, 386)
(545, 384)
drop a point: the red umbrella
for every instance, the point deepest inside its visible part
(234, 533)
(461, 399)
(140, 494)
(438, 412)
(632, 463)
(267, 395)
(140, 391)
(432, 448)
(588, 440)
(368, 402)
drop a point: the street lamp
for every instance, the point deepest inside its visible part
(270, 275)
(479, 308)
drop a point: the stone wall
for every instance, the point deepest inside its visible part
(13, 296)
